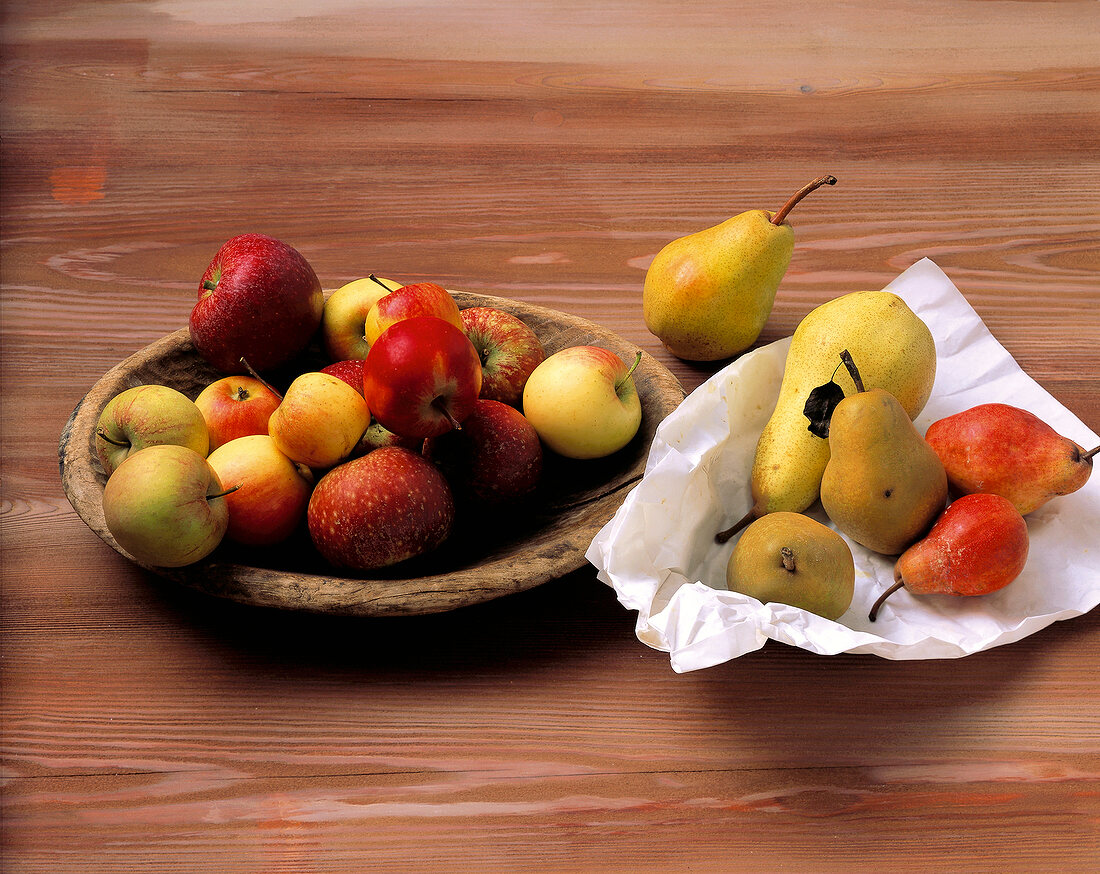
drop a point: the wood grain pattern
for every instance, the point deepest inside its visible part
(542, 151)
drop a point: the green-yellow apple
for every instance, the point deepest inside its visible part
(259, 302)
(408, 302)
(380, 509)
(148, 415)
(421, 377)
(236, 406)
(495, 458)
(272, 491)
(343, 323)
(583, 403)
(509, 350)
(320, 420)
(165, 506)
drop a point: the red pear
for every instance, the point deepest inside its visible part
(978, 545)
(1003, 450)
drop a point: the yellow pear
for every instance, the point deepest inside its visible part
(884, 485)
(788, 558)
(895, 351)
(707, 295)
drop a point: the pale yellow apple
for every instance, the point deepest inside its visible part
(583, 403)
(345, 316)
(319, 421)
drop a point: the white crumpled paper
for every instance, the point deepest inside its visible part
(658, 551)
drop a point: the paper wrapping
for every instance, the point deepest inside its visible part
(659, 554)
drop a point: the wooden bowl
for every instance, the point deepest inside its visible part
(489, 554)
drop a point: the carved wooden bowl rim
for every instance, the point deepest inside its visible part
(558, 528)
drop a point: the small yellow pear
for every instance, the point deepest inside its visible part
(707, 295)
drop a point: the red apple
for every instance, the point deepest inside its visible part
(408, 302)
(236, 406)
(380, 509)
(421, 377)
(272, 491)
(496, 457)
(259, 301)
(350, 371)
(148, 415)
(509, 350)
(345, 316)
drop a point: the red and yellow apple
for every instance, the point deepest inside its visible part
(148, 415)
(409, 302)
(583, 403)
(343, 322)
(259, 301)
(495, 458)
(421, 377)
(271, 494)
(319, 421)
(380, 509)
(236, 406)
(166, 506)
(509, 351)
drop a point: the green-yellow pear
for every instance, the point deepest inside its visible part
(707, 295)
(884, 485)
(788, 558)
(895, 351)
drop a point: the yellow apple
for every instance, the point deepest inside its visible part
(345, 316)
(582, 402)
(319, 421)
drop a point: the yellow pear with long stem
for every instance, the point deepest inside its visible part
(707, 295)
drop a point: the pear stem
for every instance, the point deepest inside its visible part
(626, 376)
(224, 493)
(259, 378)
(786, 555)
(875, 607)
(743, 522)
(1087, 456)
(103, 434)
(779, 217)
(849, 363)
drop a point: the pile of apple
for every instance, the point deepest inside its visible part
(422, 410)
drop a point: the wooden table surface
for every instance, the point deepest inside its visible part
(542, 151)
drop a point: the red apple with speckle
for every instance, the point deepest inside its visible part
(259, 302)
(380, 509)
(422, 377)
(495, 458)
(509, 350)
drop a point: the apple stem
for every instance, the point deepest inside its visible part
(1087, 456)
(846, 357)
(875, 607)
(723, 536)
(103, 434)
(259, 378)
(209, 284)
(787, 557)
(778, 218)
(633, 367)
(374, 278)
(441, 405)
(224, 493)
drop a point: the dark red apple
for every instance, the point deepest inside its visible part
(494, 459)
(380, 509)
(509, 350)
(422, 377)
(259, 301)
